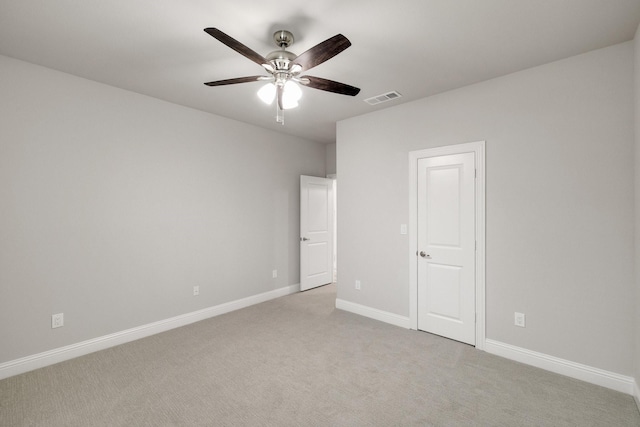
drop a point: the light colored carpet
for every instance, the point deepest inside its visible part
(297, 361)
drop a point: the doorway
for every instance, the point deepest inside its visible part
(317, 231)
(447, 259)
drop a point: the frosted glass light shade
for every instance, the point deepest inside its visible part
(291, 95)
(267, 93)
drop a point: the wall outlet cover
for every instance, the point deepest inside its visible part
(57, 320)
(519, 319)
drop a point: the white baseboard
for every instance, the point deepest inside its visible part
(373, 313)
(29, 363)
(586, 373)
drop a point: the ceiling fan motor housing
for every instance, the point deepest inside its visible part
(281, 60)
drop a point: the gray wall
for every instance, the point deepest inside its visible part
(559, 203)
(331, 159)
(637, 182)
(113, 205)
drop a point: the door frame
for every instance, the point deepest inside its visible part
(334, 225)
(478, 148)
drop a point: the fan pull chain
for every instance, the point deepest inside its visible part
(279, 111)
(279, 115)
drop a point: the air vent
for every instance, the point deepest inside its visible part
(383, 98)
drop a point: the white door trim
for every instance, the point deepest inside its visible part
(471, 147)
(334, 225)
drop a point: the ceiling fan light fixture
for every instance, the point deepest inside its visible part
(267, 93)
(291, 95)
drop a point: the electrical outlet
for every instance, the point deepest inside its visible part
(519, 319)
(57, 320)
(358, 285)
(196, 290)
(274, 274)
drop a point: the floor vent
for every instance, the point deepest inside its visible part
(383, 98)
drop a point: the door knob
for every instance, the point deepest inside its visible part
(423, 254)
(304, 239)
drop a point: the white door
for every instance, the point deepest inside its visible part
(316, 232)
(446, 246)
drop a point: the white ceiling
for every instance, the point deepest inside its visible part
(417, 47)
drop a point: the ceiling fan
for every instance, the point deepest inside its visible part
(285, 67)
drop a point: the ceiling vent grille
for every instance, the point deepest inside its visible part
(383, 98)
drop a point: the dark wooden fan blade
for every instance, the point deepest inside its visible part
(322, 52)
(234, 81)
(236, 45)
(331, 86)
